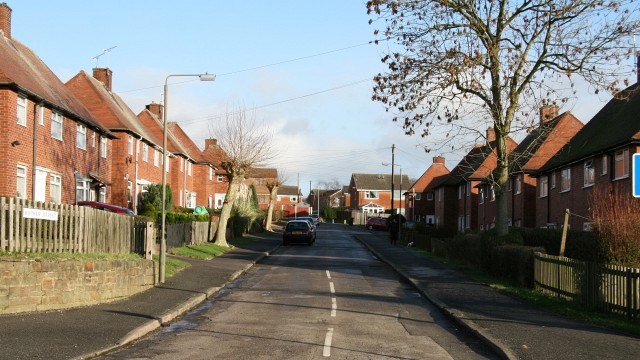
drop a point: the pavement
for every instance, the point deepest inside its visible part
(513, 329)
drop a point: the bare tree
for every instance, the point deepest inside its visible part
(246, 146)
(273, 185)
(458, 62)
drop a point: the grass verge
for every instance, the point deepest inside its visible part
(568, 309)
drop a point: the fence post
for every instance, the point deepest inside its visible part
(564, 232)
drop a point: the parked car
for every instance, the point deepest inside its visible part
(316, 219)
(298, 231)
(377, 223)
(106, 207)
(310, 220)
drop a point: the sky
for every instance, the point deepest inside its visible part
(302, 68)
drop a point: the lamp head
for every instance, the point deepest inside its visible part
(207, 77)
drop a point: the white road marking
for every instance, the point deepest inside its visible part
(328, 275)
(334, 307)
(333, 290)
(326, 351)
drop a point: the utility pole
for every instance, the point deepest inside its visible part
(393, 162)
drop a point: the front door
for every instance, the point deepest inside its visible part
(41, 185)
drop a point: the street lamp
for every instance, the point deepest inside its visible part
(163, 242)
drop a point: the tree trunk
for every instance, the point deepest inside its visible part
(225, 213)
(272, 203)
(502, 197)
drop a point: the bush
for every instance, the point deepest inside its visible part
(581, 245)
(514, 262)
(465, 248)
(179, 218)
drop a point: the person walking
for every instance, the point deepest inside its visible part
(394, 228)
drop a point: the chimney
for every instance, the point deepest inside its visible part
(5, 20)
(548, 112)
(210, 143)
(438, 160)
(156, 109)
(103, 75)
(491, 135)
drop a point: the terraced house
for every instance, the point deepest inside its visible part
(53, 149)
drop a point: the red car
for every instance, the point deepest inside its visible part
(377, 223)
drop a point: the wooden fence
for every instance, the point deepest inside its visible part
(607, 288)
(27, 226)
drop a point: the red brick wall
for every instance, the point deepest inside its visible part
(60, 157)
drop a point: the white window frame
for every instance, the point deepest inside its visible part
(517, 182)
(492, 194)
(103, 147)
(156, 158)
(621, 157)
(102, 194)
(481, 193)
(293, 199)
(220, 178)
(41, 116)
(145, 152)
(130, 145)
(81, 136)
(543, 185)
(589, 175)
(21, 111)
(83, 189)
(565, 179)
(189, 168)
(605, 164)
(460, 191)
(210, 176)
(21, 182)
(55, 188)
(93, 139)
(371, 194)
(418, 196)
(56, 125)
(553, 180)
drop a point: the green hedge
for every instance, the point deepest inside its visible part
(514, 262)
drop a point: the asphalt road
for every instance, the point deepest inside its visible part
(330, 300)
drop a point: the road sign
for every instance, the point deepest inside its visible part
(635, 175)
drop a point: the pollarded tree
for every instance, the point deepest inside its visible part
(456, 62)
(246, 145)
(273, 185)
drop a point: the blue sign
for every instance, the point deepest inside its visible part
(635, 175)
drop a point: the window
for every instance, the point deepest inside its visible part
(181, 165)
(55, 188)
(293, 198)
(21, 182)
(56, 125)
(22, 111)
(102, 194)
(517, 182)
(210, 174)
(156, 158)
(468, 189)
(103, 147)
(81, 136)
(370, 194)
(167, 163)
(589, 173)
(189, 168)
(553, 180)
(93, 139)
(605, 164)
(429, 196)
(41, 116)
(82, 190)
(279, 198)
(565, 179)
(587, 226)
(129, 192)
(481, 196)
(220, 178)
(543, 185)
(130, 145)
(621, 165)
(492, 194)
(145, 152)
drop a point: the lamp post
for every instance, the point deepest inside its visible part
(163, 242)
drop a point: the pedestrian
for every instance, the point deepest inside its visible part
(394, 228)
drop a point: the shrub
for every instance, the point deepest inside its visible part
(514, 262)
(465, 248)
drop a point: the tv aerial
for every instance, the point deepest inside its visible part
(104, 51)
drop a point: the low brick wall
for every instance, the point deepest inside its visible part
(37, 285)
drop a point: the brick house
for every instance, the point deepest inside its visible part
(137, 152)
(371, 193)
(53, 150)
(214, 154)
(420, 200)
(597, 159)
(203, 179)
(289, 201)
(457, 194)
(319, 199)
(260, 178)
(182, 160)
(553, 132)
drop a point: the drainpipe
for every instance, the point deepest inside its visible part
(34, 154)
(134, 201)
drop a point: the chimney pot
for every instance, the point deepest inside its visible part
(5, 20)
(491, 135)
(438, 160)
(548, 112)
